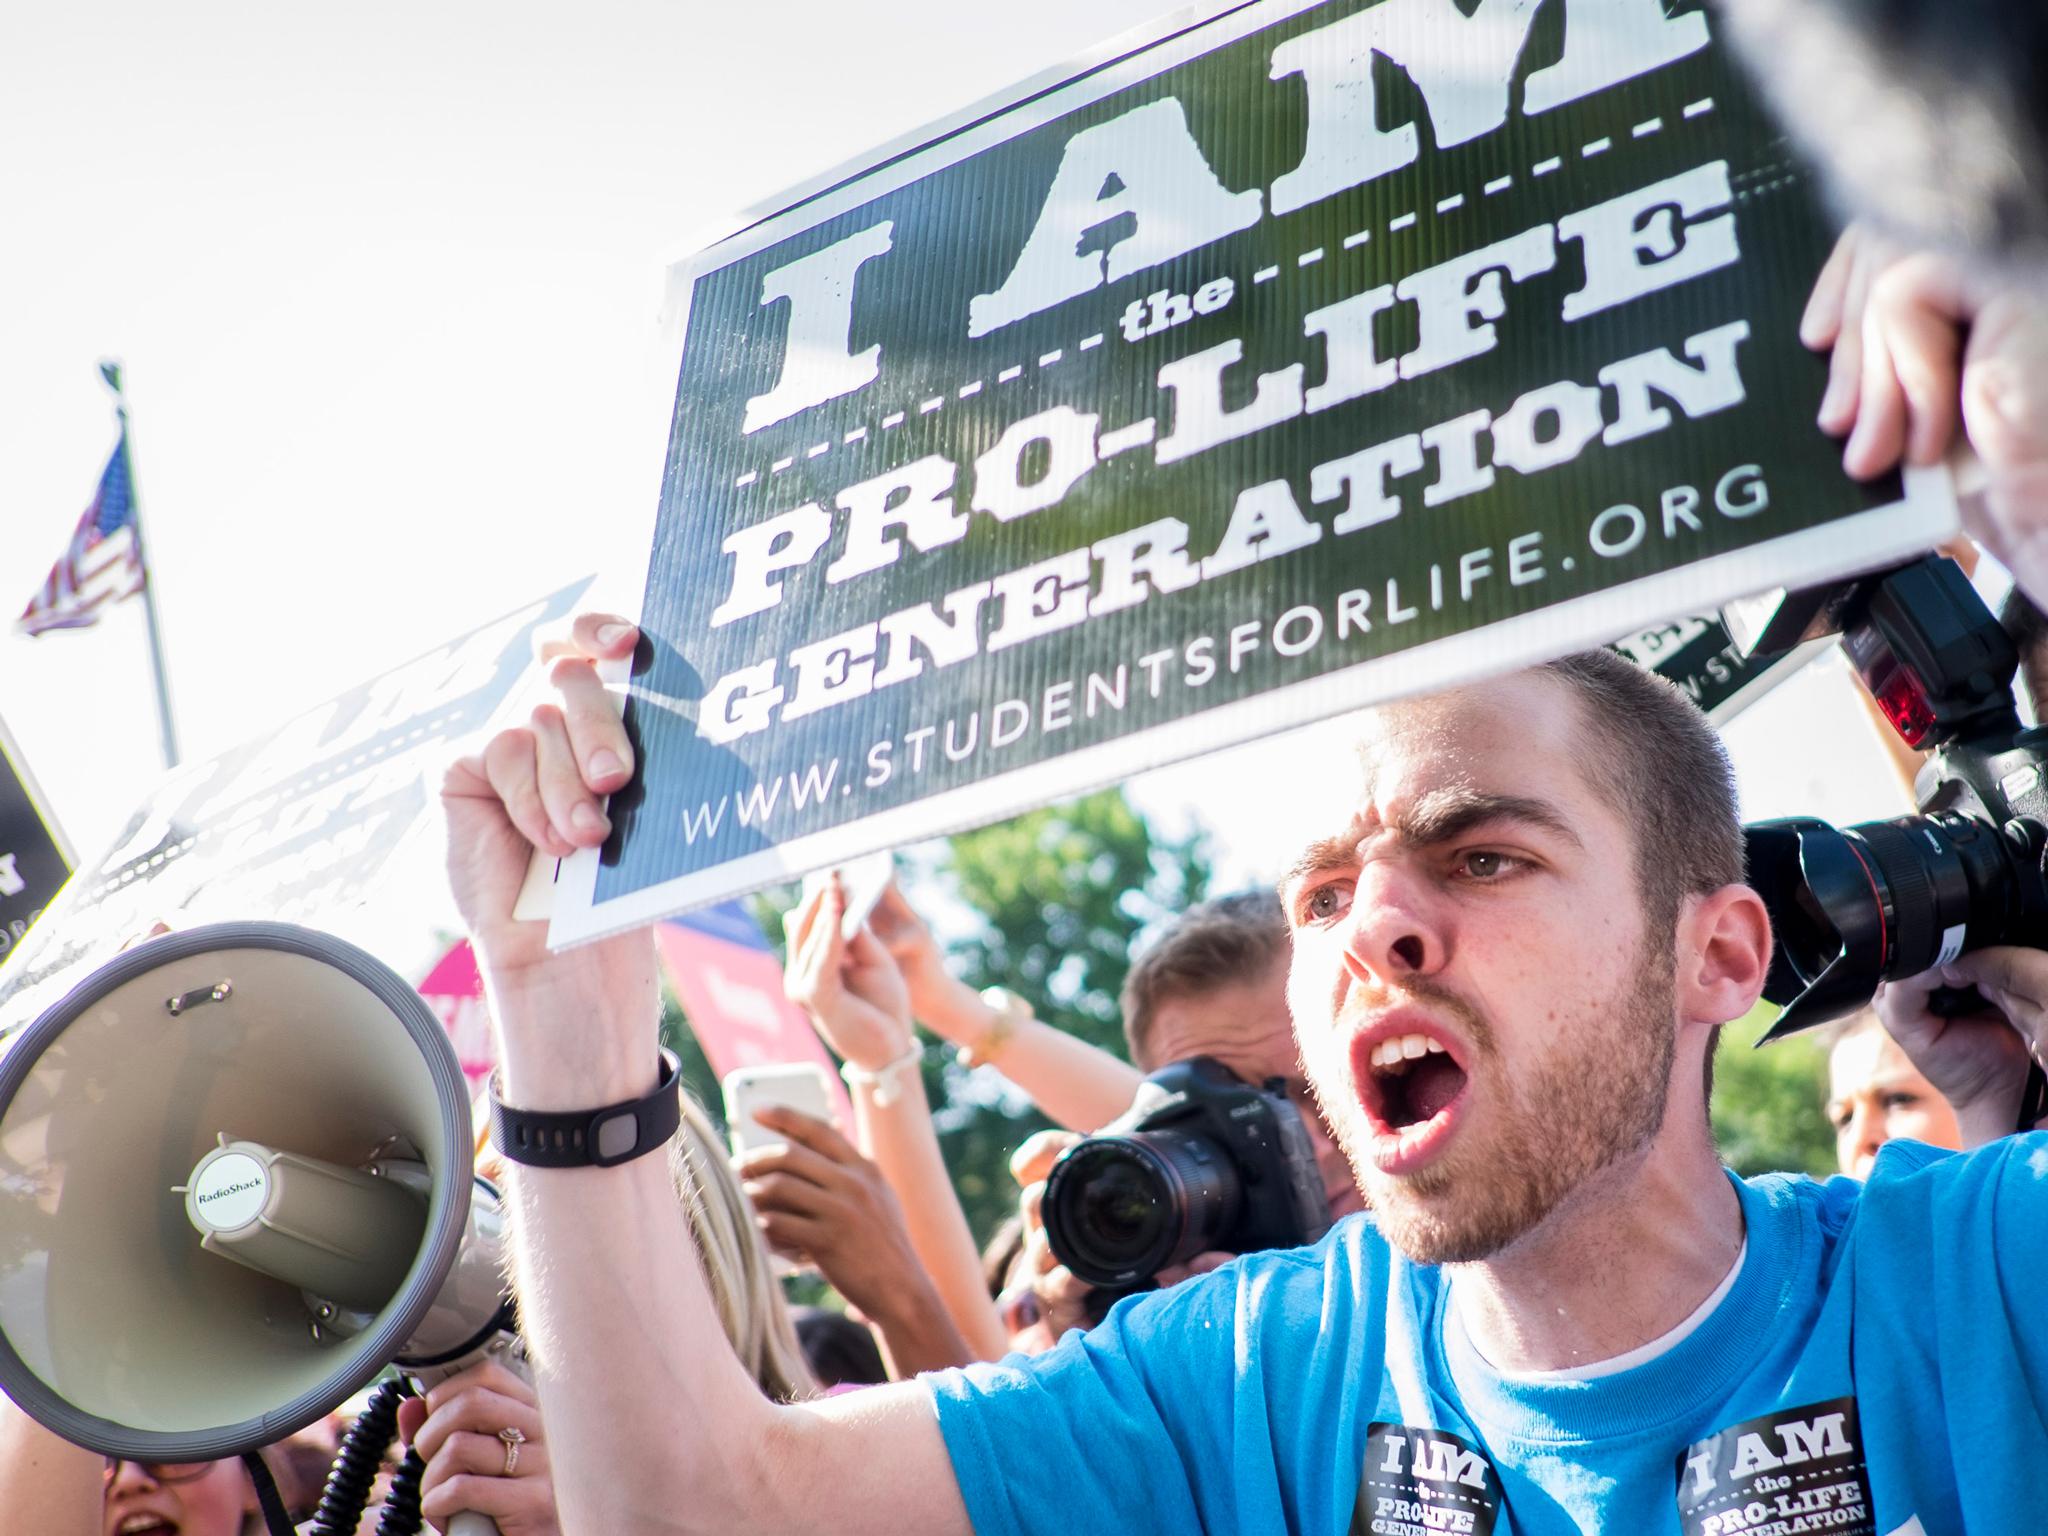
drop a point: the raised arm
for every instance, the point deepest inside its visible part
(1081, 1086)
(653, 1423)
(855, 995)
(1925, 349)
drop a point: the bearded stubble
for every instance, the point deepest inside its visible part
(1596, 1098)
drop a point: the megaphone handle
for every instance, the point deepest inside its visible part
(510, 1351)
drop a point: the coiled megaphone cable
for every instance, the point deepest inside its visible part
(347, 1492)
(402, 1516)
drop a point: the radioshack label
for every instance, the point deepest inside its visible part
(1422, 1482)
(1786, 1474)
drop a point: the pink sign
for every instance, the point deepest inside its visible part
(455, 991)
(732, 992)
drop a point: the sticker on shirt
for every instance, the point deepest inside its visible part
(1424, 1482)
(1789, 1473)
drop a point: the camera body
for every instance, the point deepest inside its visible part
(1202, 1161)
(1855, 906)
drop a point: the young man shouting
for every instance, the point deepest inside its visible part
(1515, 933)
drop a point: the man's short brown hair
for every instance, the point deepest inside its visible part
(1648, 747)
(1230, 941)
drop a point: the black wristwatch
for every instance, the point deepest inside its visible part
(591, 1138)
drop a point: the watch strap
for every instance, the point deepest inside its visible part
(591, 1138)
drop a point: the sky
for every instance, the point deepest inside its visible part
(385, 279)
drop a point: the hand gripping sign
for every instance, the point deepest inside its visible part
(1292, 357)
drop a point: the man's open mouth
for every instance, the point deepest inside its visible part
(1414, 1079)
(1409, 1085)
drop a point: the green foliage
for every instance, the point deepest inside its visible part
(1768, 1103)
(1063, 893)
(698, 1079)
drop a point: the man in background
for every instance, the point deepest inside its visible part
(1876, 1095)
(1213, 984)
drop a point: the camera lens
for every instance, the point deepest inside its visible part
(1855, 906)
(1120, 1208)
(1124, 1209)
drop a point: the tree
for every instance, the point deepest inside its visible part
(1767, 1112)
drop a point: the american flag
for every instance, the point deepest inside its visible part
(102, 565)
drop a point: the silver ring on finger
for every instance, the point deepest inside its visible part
(513, 1438)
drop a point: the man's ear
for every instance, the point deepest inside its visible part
(1724, 953)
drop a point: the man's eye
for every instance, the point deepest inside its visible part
(1485, 864)
(1327, 901)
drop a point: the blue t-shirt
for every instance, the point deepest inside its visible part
(1881, 1358)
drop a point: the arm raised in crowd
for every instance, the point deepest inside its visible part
(1081, 1086)
(653, 1423)
(855, 994)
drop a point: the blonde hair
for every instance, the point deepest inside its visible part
(736, 1265)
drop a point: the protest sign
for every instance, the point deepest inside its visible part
(35, 858)
(1296, 356)
(296, 826)
(1704, 660)
(454, 989)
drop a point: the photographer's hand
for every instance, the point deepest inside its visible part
(1063, 1297)
(1977, 1060)
(1922, 346)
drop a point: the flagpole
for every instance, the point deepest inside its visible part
(111, 372)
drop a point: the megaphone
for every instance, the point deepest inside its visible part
(235, 1184)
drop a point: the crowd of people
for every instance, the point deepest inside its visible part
(1490, 987)
(871, 1209)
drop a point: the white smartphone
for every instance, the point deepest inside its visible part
(799, 1085)
(865, 879)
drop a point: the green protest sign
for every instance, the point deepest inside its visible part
(1302, 355)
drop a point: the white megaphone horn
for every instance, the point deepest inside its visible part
(235, 1184)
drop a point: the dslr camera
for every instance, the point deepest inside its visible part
(1855, 906)
(1202, 1160)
